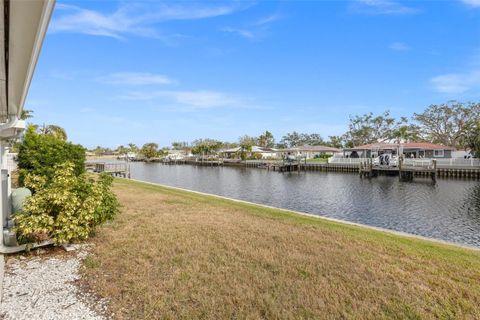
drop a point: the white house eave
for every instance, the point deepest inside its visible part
(27, 25)
(23, 25)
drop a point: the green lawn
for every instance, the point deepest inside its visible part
(175, 254)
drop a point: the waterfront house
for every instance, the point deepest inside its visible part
(174, 154)
(309, 152)
(409, 150)
(266, 153)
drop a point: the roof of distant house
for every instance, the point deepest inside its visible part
(254, 149)
(308, 148)
(408, 145)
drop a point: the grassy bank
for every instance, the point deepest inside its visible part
(175, 254)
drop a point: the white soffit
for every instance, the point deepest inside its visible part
(27, 25)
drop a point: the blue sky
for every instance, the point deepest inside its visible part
(157, 71)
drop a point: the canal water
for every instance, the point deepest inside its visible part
(448, 210)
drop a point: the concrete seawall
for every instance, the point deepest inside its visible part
(456, 172)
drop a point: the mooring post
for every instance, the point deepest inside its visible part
(434, 173)
(400, 163)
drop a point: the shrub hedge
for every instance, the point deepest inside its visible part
(65, 207)
(39, 154)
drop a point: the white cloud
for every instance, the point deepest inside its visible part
(254, 30)
(194, 99)
(203, 99)
(456, 83)
(268, 19)
(136, 78)
(399, 46)
(138, 20)
(472, 3)
(382, 7)
(241, 32)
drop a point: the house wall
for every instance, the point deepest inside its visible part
(311, 154)
(461, 154)
(428, 153)
(446, 154)
(267, 155)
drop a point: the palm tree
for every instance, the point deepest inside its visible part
(132, 147)
(122, 150)
(26, 114)
(405, 133)
(245, 149)
(55, 131)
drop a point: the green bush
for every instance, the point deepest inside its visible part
(258, 156)
(39, 153)
(255, 156)
(322, 156)
(65, 207)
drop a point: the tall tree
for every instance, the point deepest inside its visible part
(368, 128)
(295, 139)
(291, 140)
(26, 114)
(149, 150)
(246, 145)
(122, 150)
(247, 140)
(336, 141)
(312, 139)
(206, 146)
(266, 140)
(132, 147)
(179, 145)
(470, 138)
(53, 130)
(446, 123)
(405, 133)
(98, 150)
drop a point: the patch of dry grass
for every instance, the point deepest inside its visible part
(173, 254)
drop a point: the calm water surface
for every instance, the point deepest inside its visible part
(448, 210)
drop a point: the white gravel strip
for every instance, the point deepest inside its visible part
(42, 288)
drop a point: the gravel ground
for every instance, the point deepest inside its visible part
(43, 288)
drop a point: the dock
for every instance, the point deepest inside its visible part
(424, 168)
(115, 169)
(197, 162)
(405, 172)
(284, 167)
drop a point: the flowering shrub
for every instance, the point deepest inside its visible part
(65, 207)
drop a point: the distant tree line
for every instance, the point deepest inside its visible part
(453, 124)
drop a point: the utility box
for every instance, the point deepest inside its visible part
(18, 198)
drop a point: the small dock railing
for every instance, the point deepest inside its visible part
(355, 161)
(446, 163)
(454, 163)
